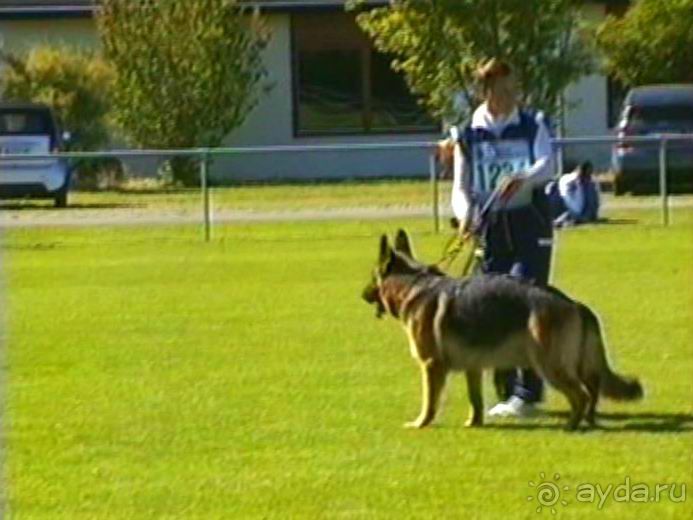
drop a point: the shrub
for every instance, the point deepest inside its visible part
(74, 83)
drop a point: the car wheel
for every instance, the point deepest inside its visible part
(61, 199)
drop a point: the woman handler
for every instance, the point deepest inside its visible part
(505, 154)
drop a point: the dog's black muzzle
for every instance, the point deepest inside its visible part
(371, 294)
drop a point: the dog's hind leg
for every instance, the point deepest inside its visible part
(577, 395)
(433, 376)
(592, 383)
(476, 417)
(558, 337)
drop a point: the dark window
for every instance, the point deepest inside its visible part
(392, 105)
(329, 91)
(663, 118)
(25, 122)
(342, 86)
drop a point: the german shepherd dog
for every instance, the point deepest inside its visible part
(493, 321)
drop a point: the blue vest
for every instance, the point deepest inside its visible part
(492, 158)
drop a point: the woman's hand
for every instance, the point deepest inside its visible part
(508, 187)
(445, 152)
(463, 227)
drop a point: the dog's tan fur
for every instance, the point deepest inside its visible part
(562, 338)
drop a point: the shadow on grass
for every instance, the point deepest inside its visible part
(650, 422)
(606, 423)
(30, 247)
(618, 221)
(654, 422)
(602, 222)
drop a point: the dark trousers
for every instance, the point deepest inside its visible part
(518, 242)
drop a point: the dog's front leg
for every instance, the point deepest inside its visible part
(476, 417)
(433, 376)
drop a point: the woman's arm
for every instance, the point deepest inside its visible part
(542, 171)
(461, 189)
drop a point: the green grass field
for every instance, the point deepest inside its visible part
(253, 197)
(150, 375)
(269, 197)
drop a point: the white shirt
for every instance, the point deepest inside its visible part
(573, 194)
(539, 173)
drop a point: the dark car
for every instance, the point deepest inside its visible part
(651, 110)
(31, 129)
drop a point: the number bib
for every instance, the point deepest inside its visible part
(495, 160)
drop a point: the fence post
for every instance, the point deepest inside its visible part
(434, 190)
(204, 184)
(663, 179)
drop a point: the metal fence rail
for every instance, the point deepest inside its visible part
(204, 155)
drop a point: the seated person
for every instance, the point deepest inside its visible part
(579, 196)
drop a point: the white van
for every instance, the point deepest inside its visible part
(30, 129)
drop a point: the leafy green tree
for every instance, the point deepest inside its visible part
(652, 43)
(187, 73)
(438, 45)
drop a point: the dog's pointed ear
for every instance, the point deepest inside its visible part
(403, 244)
(385, 251)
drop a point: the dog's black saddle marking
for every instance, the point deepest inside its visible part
(486, 309)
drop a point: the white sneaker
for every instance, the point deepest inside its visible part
(513, 407)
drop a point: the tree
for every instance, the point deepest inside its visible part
(651, 44)
(74, 83)
(187, 73)
(438, 45)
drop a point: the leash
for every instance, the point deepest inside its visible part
(456, 243)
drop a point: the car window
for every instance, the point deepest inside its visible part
(25, 123)
(661, 118)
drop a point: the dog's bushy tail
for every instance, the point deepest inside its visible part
(612, 385)
(619, 387)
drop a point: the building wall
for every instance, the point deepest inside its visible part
(270, 123)
(586, 108)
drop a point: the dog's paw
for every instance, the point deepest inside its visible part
(414, 425)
